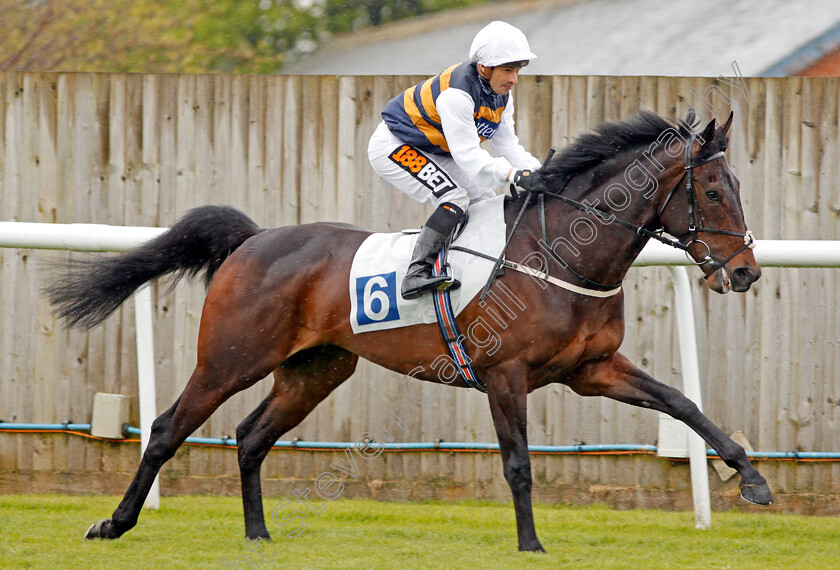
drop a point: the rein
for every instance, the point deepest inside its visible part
(498, 262)
(599, 291)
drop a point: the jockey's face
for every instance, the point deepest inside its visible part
(501, 78)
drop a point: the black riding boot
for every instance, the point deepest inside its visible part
(432, 239)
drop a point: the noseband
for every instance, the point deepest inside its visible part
(695, 220)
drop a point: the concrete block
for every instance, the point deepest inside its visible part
(110, 412)
(673, 438)
(724, 471)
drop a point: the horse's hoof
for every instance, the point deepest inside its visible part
(757, 494)
(95, 530)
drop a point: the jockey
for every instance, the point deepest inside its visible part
(428, 143)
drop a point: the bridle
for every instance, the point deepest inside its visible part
(695, 220)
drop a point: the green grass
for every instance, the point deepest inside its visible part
(45, 531)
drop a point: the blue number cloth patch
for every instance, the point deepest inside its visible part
(376, 298)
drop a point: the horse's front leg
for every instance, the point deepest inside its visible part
(619, 379)
(508, 395)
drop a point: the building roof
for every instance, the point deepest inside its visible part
(593, 37)
(808, 55)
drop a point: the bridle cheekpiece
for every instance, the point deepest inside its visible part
(695, 220)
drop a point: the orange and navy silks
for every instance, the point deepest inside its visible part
(413, 117)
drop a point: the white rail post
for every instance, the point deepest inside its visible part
(691, 387)
(146, 379)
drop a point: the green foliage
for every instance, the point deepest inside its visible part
(45, 531)
(184, 36)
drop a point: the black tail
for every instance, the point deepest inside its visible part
(87, 291)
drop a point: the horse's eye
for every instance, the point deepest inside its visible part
(713, 196)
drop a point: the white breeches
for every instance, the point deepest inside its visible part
(428, 186)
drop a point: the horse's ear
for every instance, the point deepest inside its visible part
(728, 122)
(686, 125)
(709, 133)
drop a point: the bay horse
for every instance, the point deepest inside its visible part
(277, 303)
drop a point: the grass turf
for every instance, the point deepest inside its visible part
(45, 531)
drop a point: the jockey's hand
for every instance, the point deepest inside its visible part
(524, 179)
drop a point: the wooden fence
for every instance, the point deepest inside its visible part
(143, 149)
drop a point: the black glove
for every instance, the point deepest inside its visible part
(524, 179)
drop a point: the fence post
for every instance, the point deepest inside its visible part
(691, 387)
(146, 379)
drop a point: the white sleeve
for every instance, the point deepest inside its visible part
(505, 142)
(455, 108)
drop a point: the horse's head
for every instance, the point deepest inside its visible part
(704, 212)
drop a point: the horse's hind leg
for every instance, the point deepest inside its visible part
(200, 398)
(619, 379)
(300, 384)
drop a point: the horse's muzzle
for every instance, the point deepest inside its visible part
(739, 279)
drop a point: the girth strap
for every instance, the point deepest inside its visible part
(449, 328)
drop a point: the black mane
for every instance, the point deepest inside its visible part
(607, 141)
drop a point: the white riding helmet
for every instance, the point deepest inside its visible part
(498, 43)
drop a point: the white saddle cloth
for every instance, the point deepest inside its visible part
(381, 262)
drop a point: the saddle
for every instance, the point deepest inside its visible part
(382, 259)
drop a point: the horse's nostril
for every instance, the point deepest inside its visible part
(744, 274)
